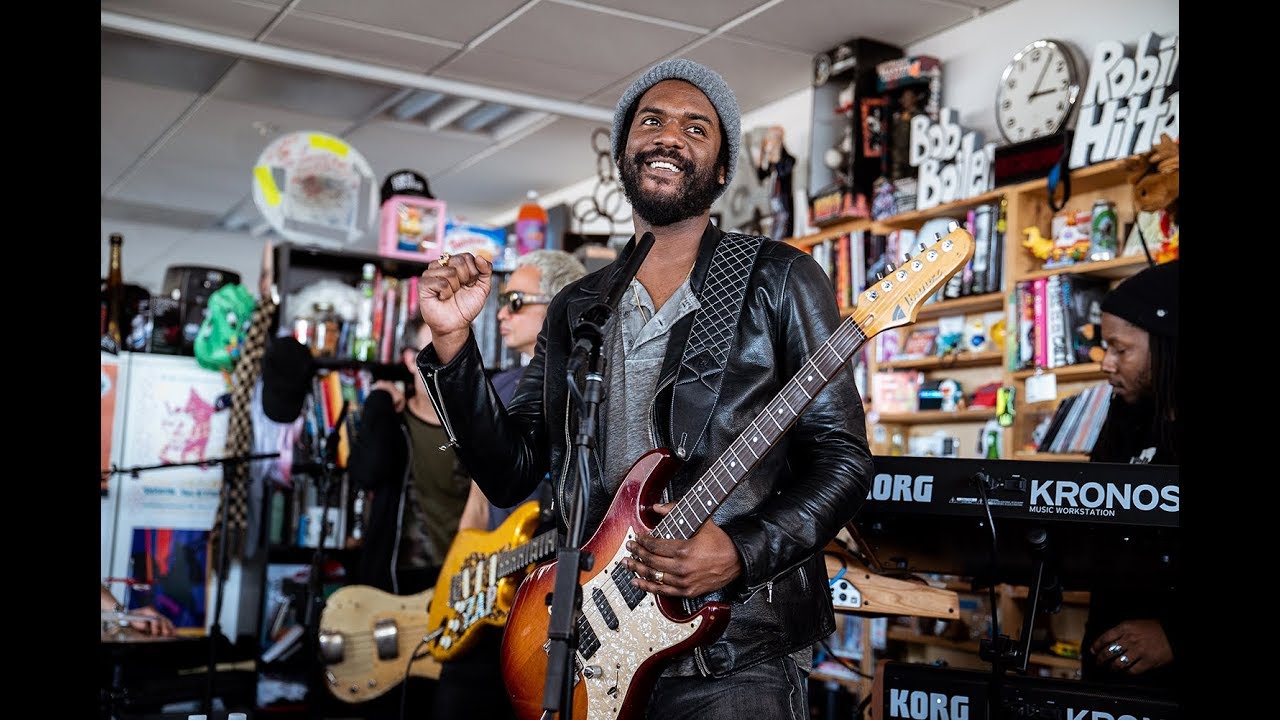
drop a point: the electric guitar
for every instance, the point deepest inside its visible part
(367, 636)
(479, 577)
(623, 633)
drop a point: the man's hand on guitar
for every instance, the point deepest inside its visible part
(684, 568)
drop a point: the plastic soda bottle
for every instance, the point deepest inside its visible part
(531, 225)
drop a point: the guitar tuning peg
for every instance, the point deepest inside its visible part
(922, 247)
(879, 276)
(906, 258)
(888, 267)
(937, 236)
(952, 226)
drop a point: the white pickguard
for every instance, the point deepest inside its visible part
(641, 633)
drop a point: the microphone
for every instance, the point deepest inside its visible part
(589, 332)
(287, 367)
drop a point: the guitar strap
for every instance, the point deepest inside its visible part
(714, 329)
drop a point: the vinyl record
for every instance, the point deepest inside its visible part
(313, 187)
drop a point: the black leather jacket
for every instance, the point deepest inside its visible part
(781, 514)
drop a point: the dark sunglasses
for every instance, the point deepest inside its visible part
(516, 299)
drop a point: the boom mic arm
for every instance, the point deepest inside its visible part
(588, 333)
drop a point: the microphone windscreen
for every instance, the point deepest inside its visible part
(287, 367)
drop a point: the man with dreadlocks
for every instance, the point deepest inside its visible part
(1131, 635)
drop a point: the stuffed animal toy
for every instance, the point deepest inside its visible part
(1154, 176)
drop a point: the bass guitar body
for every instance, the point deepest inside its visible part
(367, 638)
(623, 633)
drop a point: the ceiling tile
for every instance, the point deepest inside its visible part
(758, 75)
(302, 91)
(150, 62)
(456, 21)
(133, 117)
(391, 49)
(489, 187)
(827, 23)
(241, 19)
(706, 15)
(546, 52)
(391, 146)
(208, 164)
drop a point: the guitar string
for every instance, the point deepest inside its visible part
(826, 353)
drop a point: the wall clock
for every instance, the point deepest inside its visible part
(1038, 90)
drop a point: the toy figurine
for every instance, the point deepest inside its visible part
(777, 162)
(1039, 245)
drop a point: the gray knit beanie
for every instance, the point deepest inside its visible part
(701, 77)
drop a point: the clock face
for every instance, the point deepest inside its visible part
(1037, 92)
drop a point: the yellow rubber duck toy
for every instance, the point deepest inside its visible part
(1039, 245)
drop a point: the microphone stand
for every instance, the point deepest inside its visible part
(315, 585)
(571, 560)
(215, 629)
(566, 598)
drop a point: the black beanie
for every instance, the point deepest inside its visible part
(1148, 300)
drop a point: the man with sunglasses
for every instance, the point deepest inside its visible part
(471, 684)
(711, 329)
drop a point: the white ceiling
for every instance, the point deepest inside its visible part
(194, 90)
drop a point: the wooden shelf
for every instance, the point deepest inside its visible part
(1069, 597)
(828, 677)
(1077, 373)
(1050, 457)
(937, 417)
(1121, 267)
(901, 634)
(961, 306)
(957, 306)
(1024, 204)
(916, 218)
(958, 360)
(829, 232)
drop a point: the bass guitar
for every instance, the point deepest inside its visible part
(623, 633)
(371, 641)
(367, 636)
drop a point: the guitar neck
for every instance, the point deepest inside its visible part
(715, 485)
(537, 549)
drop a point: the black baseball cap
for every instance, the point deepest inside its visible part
(406, 182)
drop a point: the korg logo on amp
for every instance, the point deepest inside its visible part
(901, 488)
(921, 705)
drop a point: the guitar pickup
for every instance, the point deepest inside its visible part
(606, 610)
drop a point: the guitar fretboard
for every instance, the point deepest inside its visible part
(539, 548)
(714, 486)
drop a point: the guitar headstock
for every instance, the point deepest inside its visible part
(895, 299)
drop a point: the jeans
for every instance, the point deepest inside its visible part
(775, 689)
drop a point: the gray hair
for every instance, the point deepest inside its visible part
(558, 269)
